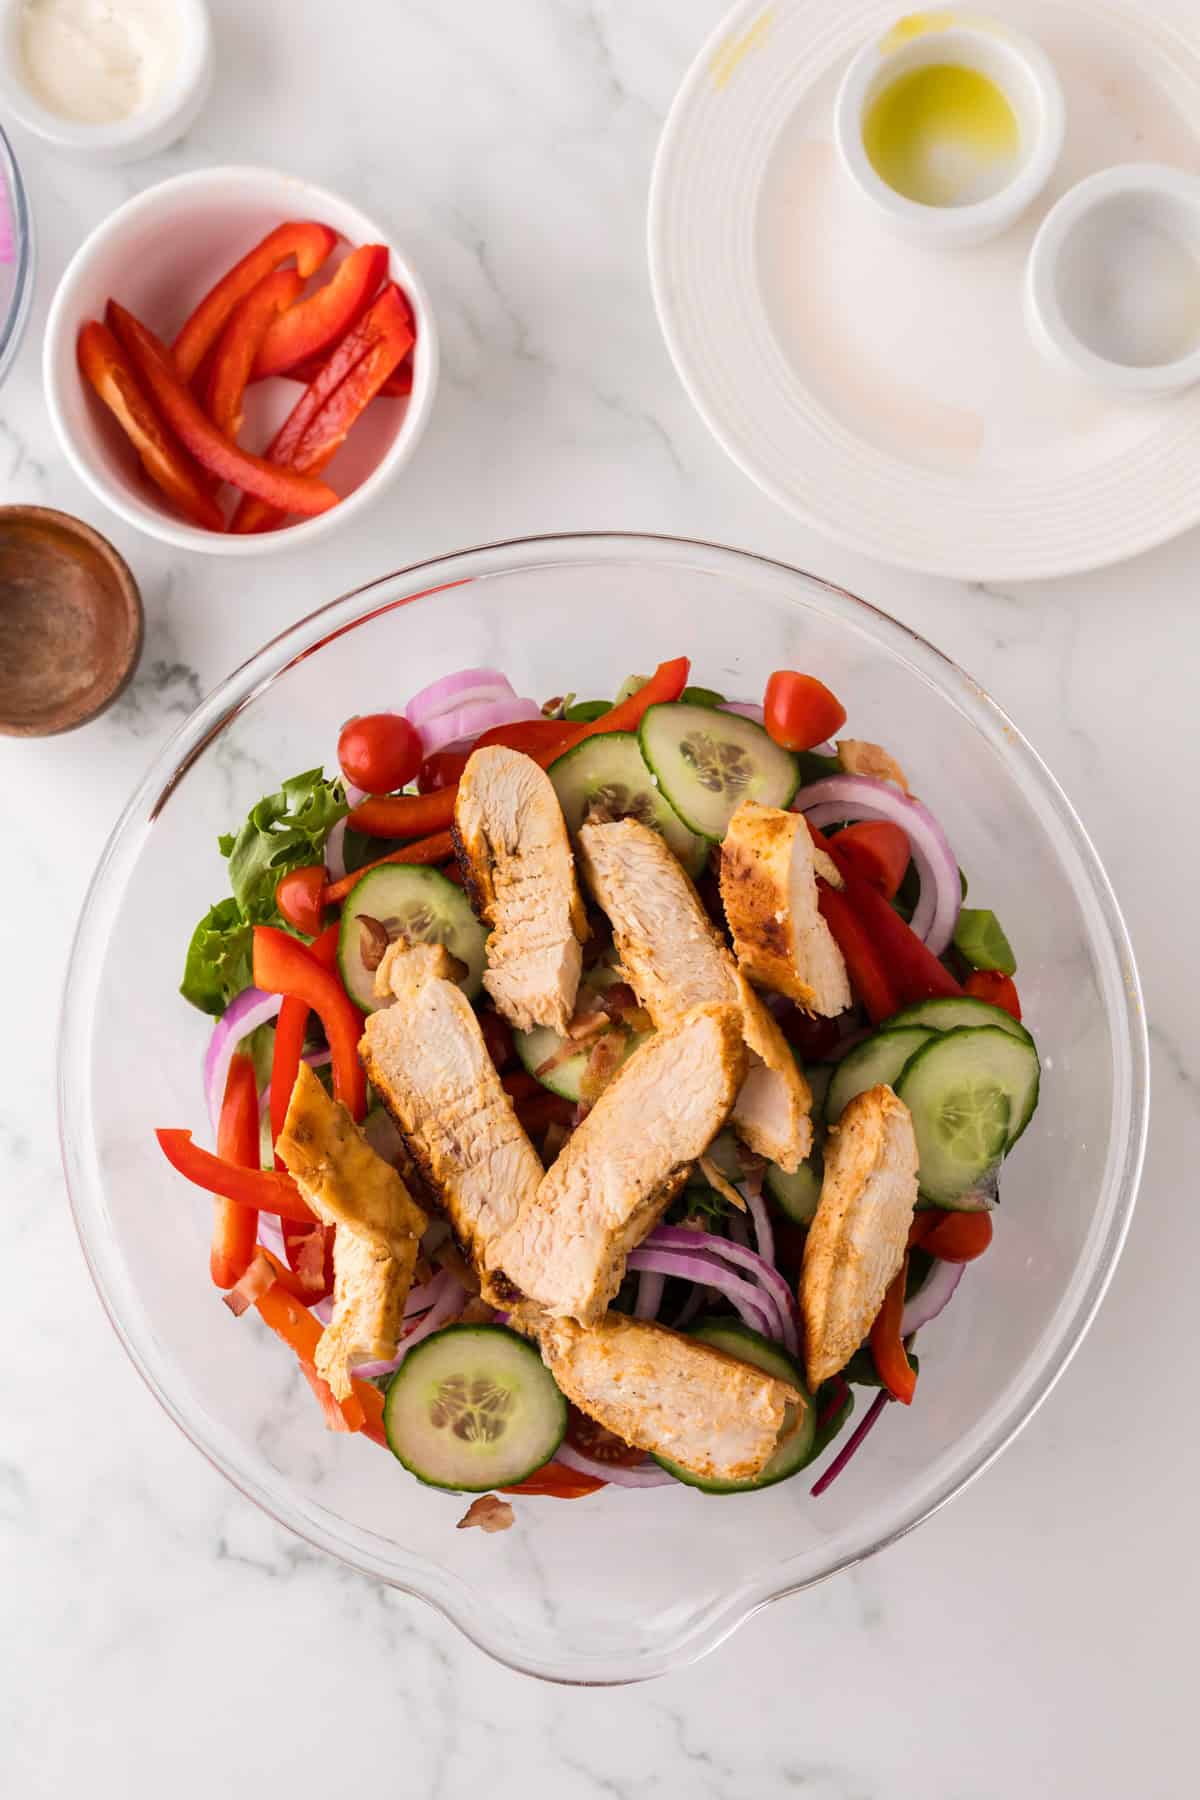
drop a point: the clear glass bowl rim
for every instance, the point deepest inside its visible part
(12, 329)
(452, 1598)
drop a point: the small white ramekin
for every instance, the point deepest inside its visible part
(158, 255)
(1072, 262)
(125, 140)
(1020, 69)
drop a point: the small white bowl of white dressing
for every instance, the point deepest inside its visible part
(1112, 288)
(109, 80)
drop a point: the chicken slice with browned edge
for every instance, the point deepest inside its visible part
(666, 1393)
(430, 1067)
(614, 1176)
(673, 958)
(520, 874)
(378, 1228)
(769, 866)
(856, 1242)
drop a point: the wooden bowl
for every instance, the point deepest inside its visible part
(70, 622)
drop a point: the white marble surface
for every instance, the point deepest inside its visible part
(159, 1635)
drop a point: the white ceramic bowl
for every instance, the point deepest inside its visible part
(158, 254)
(168, 116)
(1019, 68)
(1113, 276)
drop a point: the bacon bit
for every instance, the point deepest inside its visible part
(255, 1281)
(715, 1179)
(309, 1261)
(858, 757)
(605, 1058)
(489, 1512)
(335, 1418)
(572, 1047)
(373, 941)
(552, 709)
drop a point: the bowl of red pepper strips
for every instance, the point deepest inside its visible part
(237, 361)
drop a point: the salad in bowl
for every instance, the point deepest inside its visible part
(603, 1090)
(690, 1531)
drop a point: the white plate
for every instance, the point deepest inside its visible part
(887, 394)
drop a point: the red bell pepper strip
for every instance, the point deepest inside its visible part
(214, 451)
(311, 434)
(291, 1320)
(996, 989)
(398, 385)
(309, 243)
(283, 965)
(235, 1228)
(266, 1190)
(558, 1482)
(667, 683)
(887, 1349)
(240, 342)
(533, 737)
(959, 1237)
(309, 1248)
(405, 815)
(868, 977)
(429, 850)
(164, 459)
(312, 328)
(915, 972)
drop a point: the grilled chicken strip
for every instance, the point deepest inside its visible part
(520, 874)
(429, 1064)
(668, 1393)
(856, 1242)
(769, 866)
(615, 1175)
(378, 1228)
(674, 959)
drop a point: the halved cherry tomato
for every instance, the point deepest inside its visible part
(996, 989)
(602, 1445)
(959, 1237)
(497, 1035)
(298, 897)
(557, 1482)
(443, 769)
(379, 751)
(880, 851)
(800, 711)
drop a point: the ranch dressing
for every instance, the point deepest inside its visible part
(98, 61)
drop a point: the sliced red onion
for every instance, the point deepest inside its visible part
(459, 689)
(244, 1014)
(323, 1309)
(840, 797)
(764, 1236)
(852, 1444)
(649, 1295)
(270, 1235)
(751, 1303)
(335, 850)
(930, 1298)
(467, 722)
(675, 1239)
(643, 1475)
(747, 709)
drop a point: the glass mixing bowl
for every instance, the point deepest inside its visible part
(16, 257)
(625, 1584)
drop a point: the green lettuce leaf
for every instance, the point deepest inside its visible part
(218, 964)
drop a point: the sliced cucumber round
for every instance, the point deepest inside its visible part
(797, 1196)
(535, 1048)
(879, 1058)
(407, 900)
(954, 1011)
(473, 1407)
(708, 762)
(607, 775)
(796, 1440)
(971, 1093)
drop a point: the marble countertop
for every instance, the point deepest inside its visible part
(1038, 1636)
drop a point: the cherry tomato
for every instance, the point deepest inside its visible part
(442, 769)
(800, 710)
(880, 851)
(498, 1037)
(996, 989)
(959, 1237)
(602, 1445)
(298, 897)
(380, 752)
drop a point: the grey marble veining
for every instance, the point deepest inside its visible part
(157, 1633)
